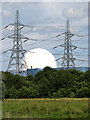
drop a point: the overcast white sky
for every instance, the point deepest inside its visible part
(40, 15)
(45, 0)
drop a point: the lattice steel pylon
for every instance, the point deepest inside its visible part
(17, 62)
(68, 59)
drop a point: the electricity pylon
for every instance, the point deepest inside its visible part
(68, 59)
(17, 62)
(17, 51)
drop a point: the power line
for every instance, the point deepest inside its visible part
(47, 27)
(68, 59)
(18, 52)
(82, 48)
(74, 54)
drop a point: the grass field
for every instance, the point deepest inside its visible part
(45, 108)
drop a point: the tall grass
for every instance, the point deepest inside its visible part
(45, 108)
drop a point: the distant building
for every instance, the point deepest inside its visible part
(35, 71)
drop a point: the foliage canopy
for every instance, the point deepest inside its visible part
(49, 83)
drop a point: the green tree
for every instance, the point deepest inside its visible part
(27, 92)
(3, 90)
(12, 93)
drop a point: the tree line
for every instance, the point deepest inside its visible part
(48, 83)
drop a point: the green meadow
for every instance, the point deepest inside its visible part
(45, 108)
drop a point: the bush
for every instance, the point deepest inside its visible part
(3, 90)
(27, 92)
(47, 83)
(12, 93)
